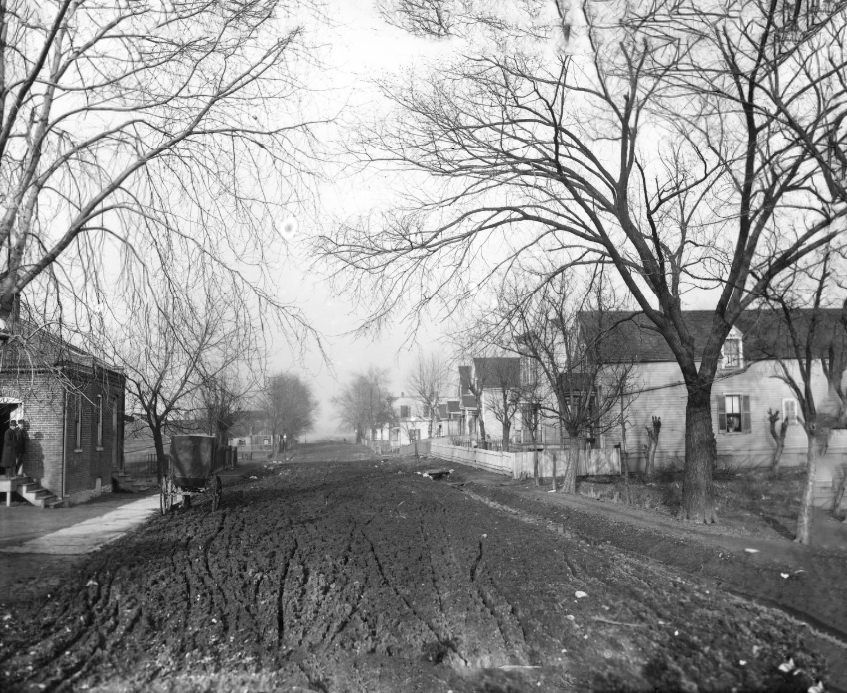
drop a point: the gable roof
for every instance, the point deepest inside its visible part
(34, 346)
(630, 337)
(498, 371)
(767, 334)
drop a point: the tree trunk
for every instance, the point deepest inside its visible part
(482, 433)
(838, 493)
(161, 457)
(555, 455)
(652, 446)
(507, 427)
(777, 453)
(804, 519)
(698, 501)
(569, 480)
(535, 463)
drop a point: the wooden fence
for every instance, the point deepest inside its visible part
(517, 464)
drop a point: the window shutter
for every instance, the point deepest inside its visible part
(722, 413)
(745, 414)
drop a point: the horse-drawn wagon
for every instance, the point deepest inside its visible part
(192, 469)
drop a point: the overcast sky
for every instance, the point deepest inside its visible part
(356, 48)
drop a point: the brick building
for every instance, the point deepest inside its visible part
(72, 408)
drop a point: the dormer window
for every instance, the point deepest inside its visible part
(732, 356)
(529, 371)
(732, 353)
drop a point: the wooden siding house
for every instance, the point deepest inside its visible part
(493, 375)
(71, 405)
(745, 388)
(468, 406)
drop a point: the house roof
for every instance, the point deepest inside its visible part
(498, 371)
(575, 381)
(469, 402)
(453, 405)
(627, 336)
(767, 334)
(35, 346)
(442, 411)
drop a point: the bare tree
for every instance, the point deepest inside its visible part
(801, 334)
(289, 406)
(221, 399)
(652, 445)
(422, 17)
(834, 366)
(476, 386)
(530, 412)
(500, 376)
(131, 132)
(428, 382)
(560, 329)
(365, 404)
(170, 351)
(663, 148)
(557, 331)
(778, 436)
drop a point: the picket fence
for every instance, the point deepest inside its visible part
(520, 464)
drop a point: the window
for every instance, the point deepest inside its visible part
(732, 353)
(529, 371)
(405, 411)
(789, 410)
(99, 422)
(734, 413)
(78, 422)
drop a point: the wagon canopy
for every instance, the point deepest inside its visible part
(194, 460)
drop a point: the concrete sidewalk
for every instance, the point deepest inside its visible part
(77, 530)
(83, 528)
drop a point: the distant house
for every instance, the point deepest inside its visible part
(468, 406)
(409, 421)
(488, 377)
(450, 414)
(745, 388)
(251, 429)
(72, 408)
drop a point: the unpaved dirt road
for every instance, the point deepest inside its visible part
(339, 572)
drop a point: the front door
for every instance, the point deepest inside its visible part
(5, 416)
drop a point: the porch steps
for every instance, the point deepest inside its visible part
(34, 493)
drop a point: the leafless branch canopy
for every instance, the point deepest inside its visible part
(364, 404)
(429, 381)
(688, 148)
(135, 132)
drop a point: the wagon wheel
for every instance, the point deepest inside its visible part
(217, 493)
(165, 497)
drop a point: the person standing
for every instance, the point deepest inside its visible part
(10, 455)
(20, 447)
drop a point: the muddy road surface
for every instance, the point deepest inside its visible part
(341, 572)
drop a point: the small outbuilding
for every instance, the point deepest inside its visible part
(70, 407)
